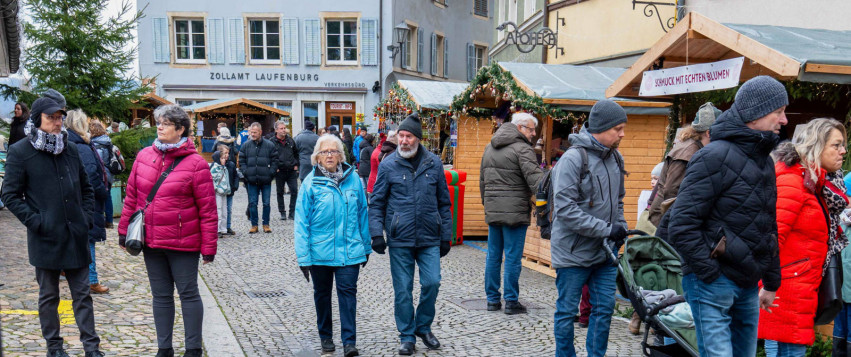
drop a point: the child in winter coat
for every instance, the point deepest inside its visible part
(221, 182)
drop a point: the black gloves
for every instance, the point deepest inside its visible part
(378, 244)
(618, 235)
(444, 248)
(306, 272)
(363, 265)
(121, 239)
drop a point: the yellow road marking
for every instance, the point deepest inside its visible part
(66, 312)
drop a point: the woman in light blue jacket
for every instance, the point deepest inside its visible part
(332, 238)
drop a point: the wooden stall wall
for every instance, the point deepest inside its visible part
(473, 136)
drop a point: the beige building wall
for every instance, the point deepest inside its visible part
(601, 29)
(820, 14)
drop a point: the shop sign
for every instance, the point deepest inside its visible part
(341, 106)
(359, 117)
(275, 77)
(693, 78)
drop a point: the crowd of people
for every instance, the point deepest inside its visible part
(758, 224)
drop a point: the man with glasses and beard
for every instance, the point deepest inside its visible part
(410, 204)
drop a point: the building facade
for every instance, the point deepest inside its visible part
(528, 16)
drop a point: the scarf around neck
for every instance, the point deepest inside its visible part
(168, 147)
(337, 176)
(834, 193)
(44, 141)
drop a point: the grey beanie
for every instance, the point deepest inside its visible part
(605, 114)
(760, 96)
(705, 117)
(56, 96)
(657, 170)
(412, 125)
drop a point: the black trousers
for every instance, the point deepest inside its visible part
(290, 178)
(48, 304)
(168, 269)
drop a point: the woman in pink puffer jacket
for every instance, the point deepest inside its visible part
(180, 225)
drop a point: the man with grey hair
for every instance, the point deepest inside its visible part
(258, 162)
(288, 163)
(509, 176)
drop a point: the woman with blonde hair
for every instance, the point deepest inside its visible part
(808, 204)
(103, 147)
(77, 124)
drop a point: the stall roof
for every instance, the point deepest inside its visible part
(431, 94)
(227, 102)
(575, 88)
(785, 53)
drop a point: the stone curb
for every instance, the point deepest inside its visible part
(219, 340)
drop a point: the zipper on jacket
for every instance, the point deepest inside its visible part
(611, 211)
(795, 262)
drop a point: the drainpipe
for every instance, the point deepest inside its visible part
(380, 48)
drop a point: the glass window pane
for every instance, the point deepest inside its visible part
(182, 40)
(181, 26)
(183, 52)
(333, 54)
(272, 40)
(198, 52)
(333, 27)
(198, 39)
(351, 54)
(333, 40)
(256, 40)
(350, 27)
(351, 41)
(198, 26)
(273, 53)
(256, 52)
(271, 27)
(256, 26)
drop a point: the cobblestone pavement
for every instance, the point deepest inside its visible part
(285, 325)
(123, 317)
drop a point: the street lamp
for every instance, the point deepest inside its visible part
(400, 34)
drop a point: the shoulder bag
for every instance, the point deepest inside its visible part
(135, 240)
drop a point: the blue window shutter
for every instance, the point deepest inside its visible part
(312, 50)
(420, 50)
(369, 57)
(433, 54)
(471, 61)
(236, 41)
(445, 57)
(161, 52)
(289, 38)
(216, 43)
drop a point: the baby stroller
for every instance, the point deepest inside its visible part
(649, 263)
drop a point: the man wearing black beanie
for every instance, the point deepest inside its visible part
(410, 203)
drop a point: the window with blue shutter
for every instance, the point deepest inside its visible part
(369, 40)
(289, 27)
(471, 61)
(236, 41)
(161, 52)
(420, 50)
(445, 57)
(433, 54)
(217, 40)
(312, 46)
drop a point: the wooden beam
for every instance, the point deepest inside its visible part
(623, 103)
(692, 35)
(827, 68)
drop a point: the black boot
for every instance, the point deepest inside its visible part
(195, 352)
(840, 347)
(165, 352)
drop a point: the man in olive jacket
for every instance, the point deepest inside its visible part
(47, 189)
(509, 175)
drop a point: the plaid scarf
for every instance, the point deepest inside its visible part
(44, 141)
(166, 147)
(836, 200)
(337, 176)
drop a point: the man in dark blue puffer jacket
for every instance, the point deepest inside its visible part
(723, 223)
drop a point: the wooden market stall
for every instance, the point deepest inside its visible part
(560, 97)
(237, 113)
(144, 107)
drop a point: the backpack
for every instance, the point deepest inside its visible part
(544, 193)
(115, 162)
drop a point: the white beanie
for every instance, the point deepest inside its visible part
(657, 171)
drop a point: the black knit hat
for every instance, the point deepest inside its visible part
(605, 114)
(760, 96)
(43, 105)
(309, 125)
(412, 125)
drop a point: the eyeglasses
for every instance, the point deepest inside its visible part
(55, 117)
(532, 129)
(164, 123)
(329, 152)
(837, 147)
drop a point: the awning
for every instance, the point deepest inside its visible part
(431, 94)
(576, 88)
(229, 102)
(785, 53)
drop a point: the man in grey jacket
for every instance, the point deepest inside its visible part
(509, 176)
(588, 207)
(305, 141)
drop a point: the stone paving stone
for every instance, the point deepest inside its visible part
(286, 326)
(123, 318)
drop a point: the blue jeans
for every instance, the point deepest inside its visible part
(510, 240)
(347, 291)
(842, 323)
(253, 191)
(93, 272)
(230, 206)
(782, 349)
(402, 262)
(107, 207)
(726, 316)
(601, 285)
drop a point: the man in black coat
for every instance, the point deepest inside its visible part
(258, 162)
(723, 223)
(287, 168)
(47, 189)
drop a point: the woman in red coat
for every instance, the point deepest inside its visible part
(180, 225)
(802, 232)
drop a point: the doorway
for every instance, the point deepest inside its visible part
(340, 114)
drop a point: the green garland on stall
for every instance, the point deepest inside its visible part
(502, 86)
(396, 105)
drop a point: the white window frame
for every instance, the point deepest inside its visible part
(410, 45)
(481, 57)
(190, 46)
(529, 9)
(440, 43)
(503, 17)
(264, 46)
(342, 61)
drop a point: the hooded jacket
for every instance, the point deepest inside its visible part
(509, 176)
(258, 161)
(729, 191)
(229, 142)
(365, 166)
(802, 234)
(332, 220)
(581, 223)
(182, 215)
(220, 175)
(95, 173)
(356, 148)
(103, 147)
(672, 175)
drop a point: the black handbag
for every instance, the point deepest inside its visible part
(135, 239)
(830, 292)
